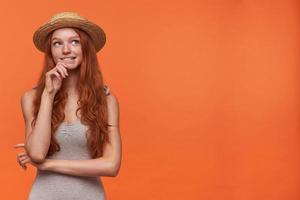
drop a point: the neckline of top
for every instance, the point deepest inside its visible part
(71, 123)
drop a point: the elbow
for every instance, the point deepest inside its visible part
(37, 158)
(114, 173)
(115, 170)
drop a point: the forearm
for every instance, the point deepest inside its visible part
(38, 142)
(91, 167)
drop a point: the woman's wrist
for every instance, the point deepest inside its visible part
(48, 95)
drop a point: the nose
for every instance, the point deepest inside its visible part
(66, 49)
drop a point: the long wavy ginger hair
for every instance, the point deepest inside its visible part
(92, 101)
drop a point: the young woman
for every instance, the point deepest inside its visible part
(71, 117)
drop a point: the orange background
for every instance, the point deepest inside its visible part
(208, 93)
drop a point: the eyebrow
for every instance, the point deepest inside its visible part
(69, 38)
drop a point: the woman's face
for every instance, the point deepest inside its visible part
(66, 47)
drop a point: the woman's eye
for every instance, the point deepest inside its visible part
(55, 43)
(75, 42)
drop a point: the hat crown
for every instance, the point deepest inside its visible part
(64, 15)
(73, 20)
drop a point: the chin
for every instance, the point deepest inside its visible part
(73, 66)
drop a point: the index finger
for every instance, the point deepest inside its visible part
(65, 65)
(19, 145)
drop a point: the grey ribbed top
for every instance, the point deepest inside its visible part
(54, 186)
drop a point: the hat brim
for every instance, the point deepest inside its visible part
(95, 32)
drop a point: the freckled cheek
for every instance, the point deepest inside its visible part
(79, 55)
(78, 51)
(56, 59)
(55, 55)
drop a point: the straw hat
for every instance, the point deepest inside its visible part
(69, 19)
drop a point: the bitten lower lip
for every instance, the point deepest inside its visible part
(68, 61)
(69, 58)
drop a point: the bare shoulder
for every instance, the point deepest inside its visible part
(113, 109)
(27, 103)
(112, 102)
(111, 99)
(28, 96)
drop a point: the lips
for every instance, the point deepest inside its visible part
(68, 60)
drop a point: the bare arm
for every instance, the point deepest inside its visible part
(108, 164)
(37, 139)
